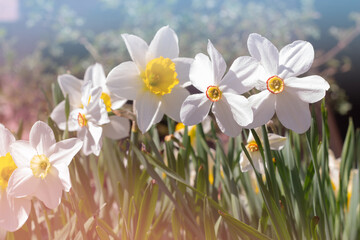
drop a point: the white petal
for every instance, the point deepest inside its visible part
(137, 48)
(195, 109)
(96, 74)
(171, 103)
(147, 105)
(50, 189)
(71, 86)
(165, 44)
(58, 115)
(22, 153)
(64, 176)
(89, 143)
(118, 128)
(96, 109)
(240, 108)
(309, 89)
(65, 150)
(22, 183)
(263, 105)
(73, 122)
(117, 102)
(295, 59)
(201, 73)
(6, 139)
(244, 163)
(41, 137)
(225, 119)
(13, 212)
(293, 113)
(182, 66)
(218, 62)
(96, 133)
(264, 51)
(242, 76)
(276, 142)
(124, 80)
(258, 162)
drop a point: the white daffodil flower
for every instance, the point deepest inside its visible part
(88, 119)
(231, 109)
(95, 73)
(42, 165)
(281, 90)
(118, 127)
(155, 79)
(276, 142)
(13, 211)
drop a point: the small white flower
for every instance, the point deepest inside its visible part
(95, 73)
(42, 165)
(276, 142)
(220, 92)
(155, 78)
(13, 211)
(281, 90)
(88, 119)
(118, 127)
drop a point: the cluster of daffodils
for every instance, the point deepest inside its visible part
(156, 80)
(35, 168)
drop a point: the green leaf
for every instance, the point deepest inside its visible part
(208, 221)
(247, 230)
(147, 210)
(102, 233)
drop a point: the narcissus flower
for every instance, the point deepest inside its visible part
(276, 142)
(281, 90)
(79, 91)
(88, 119)
(95, 73)
(42, 165)
(155, 78)
(13, 211)
(220, 92)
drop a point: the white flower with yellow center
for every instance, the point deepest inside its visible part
(88, 120)
(114, 127)
(42, 165)
(231, 110)
(276, 142)
(13, 211)
(118, 127)
(281, 90)
(155, 79)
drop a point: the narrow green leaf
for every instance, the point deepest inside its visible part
(101, 233)
(244, 228)
(147, 210)
(208, 221)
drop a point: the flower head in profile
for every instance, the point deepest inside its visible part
(42, 165)
(276, 143)
(88, 119)
(220, 93)
(13, 211)
(282, 91)
(154, 79)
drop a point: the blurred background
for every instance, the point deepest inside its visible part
(41, 39)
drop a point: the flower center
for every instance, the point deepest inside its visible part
(7, 166)
(82, 120)
(252, 147)
(275, 84)
(107, 101)
(40, 166)
(213, 93)
(160, 76)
